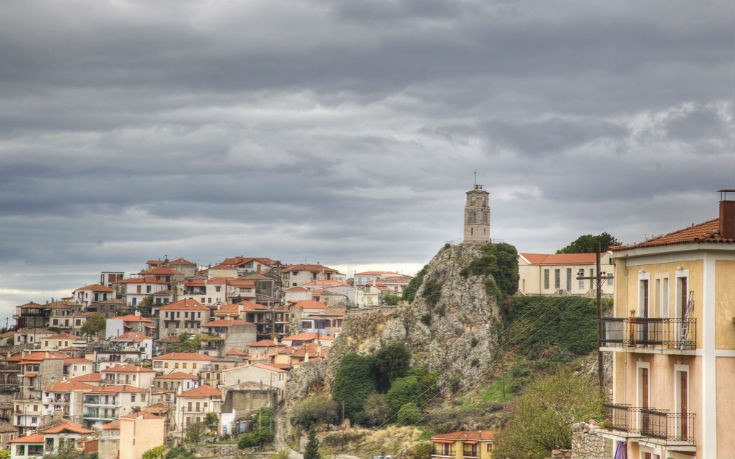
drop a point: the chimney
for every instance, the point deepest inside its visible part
(727, 215)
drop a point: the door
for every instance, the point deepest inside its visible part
(643, 399)
(683, 407)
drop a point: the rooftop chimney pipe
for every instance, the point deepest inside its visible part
(727, 215)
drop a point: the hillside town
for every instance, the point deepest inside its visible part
(157, 351)
(134, 361)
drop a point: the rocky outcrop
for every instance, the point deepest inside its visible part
(450, 325)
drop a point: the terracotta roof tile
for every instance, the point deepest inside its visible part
(185, 356)
(466, 435)
(201, 391)
(67, 426)
(707, 232)
(187, 304)
(560, 258)
(35, 438)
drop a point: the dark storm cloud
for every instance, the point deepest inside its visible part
(347, 132)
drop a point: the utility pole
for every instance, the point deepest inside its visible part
(598, 278)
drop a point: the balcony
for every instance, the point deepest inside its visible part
(658, 426)
(674, 335)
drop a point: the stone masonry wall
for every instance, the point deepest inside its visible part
(587, 444)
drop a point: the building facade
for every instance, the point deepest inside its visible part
(673, 344)
(477, 216)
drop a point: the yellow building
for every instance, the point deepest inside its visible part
(673, 343)
(464, 444)
(140, 432)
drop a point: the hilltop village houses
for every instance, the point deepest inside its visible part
(178, 341)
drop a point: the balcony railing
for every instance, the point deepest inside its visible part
(650, 423)
(672, 334)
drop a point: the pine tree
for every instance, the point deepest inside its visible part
(312, 447)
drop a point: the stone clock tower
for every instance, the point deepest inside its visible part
(477, 216)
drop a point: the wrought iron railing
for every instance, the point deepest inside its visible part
(674, 334)
(649, 422)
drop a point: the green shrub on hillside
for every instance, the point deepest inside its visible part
(353, 383)
(557, 327)
(409, 293)
(499, 261)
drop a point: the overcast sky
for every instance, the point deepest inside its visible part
(348, 132)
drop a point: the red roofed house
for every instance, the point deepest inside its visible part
(187, 362)
(219, 290)
(62, 341)
(137, 288)
(178, 380)
(192, 405)
(106, 403)
(265, 374)
(226, 334)
(183, 316)
(37, 370)
(49, 440)
(65, 398)
(672, 343)
(474, 444)
(298, 275)
(556, 274)
(116, 326)
(92, 294)
(125, 374)
(135, 340)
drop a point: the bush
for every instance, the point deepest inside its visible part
(409, 414)
(404, 390)
(432, 292)
(409, 293)
(313, 411)
(390, 362)
(377, 409)
(353, 383)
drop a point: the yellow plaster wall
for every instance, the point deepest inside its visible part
(725, 407)
(724, 304)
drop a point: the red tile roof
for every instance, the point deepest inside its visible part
(67, 426)
(707, 232)
(464, 435)
(132, 336)
(560, 258)
(309, 304)
(127, 368)
(160, 272)
(133, 318)
(181, 262)
(64, 336)
(91, 377)
(202, 391)
(114, 425)
(96, 288)
(68, 386)
(265, 343)
(142, 280)
(187, 304)
(310, 268)
(35, 438)
(115, 389)
(227, 323)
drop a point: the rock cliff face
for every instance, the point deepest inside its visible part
(450, 325)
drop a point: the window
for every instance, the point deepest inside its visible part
(138, 289)
(546, 279)
(218, 288)
(569, 279)
(557, 279)
(643, 305)
(665, 297)
(132, 398)
(148, 289)
(183, 365)
(682, 294)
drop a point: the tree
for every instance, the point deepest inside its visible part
(187, 343)
(5, 454)
(542, 416)
(353, 383)
(94, 324)
(409, 293)
(313, 411)
(390, 299)
(587, 243)
(377, 409)
(390, 362)
(404, 390)
(211, 420)
(312, 446)
(409, 414)
(155, 453)
(195, 432)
